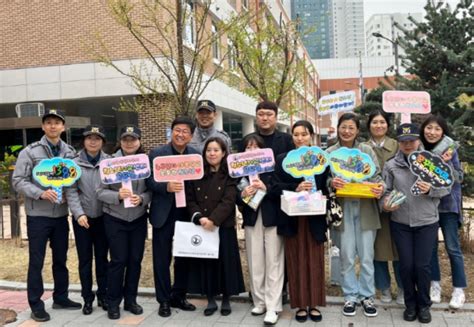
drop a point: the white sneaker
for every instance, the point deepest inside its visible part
(400, 297)
(457, 299)
(271, 318)
(435, 293)
(257, 311)
(386, 296)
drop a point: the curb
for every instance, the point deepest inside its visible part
(242, 297)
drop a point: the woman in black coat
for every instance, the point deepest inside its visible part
(211, 204)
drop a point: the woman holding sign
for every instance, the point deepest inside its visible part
(211, 204)
(385, 148)
(88, 222)
(359, 227)
(304, 236)
(126, 229)
(435, 138)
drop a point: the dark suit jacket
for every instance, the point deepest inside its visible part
(289, 225)
(213, 197)
(162, 200)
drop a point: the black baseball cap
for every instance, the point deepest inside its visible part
(408, 132)
(207, 105)
(94, 130)
(53, 113)
(130, 130)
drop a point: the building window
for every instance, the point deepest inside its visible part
(232, 56)
(216, 42)
(245, 4)
(189, 22)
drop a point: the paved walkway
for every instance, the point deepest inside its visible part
(13, 296)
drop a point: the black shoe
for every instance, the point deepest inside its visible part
(164, 310)
(40, 315)
(134, 308)
(67, 305)
(210, 311)
(315, 315)
(300, 317)
(102, 303)
(409, 314)
(182, 304)
(113, 312)
(87, 308)
(424, 315)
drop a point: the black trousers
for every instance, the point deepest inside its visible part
(92, 243)
(41, 230)
(127, 243)
(162, 243)
(415, 246)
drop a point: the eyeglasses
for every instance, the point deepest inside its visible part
(182, 131)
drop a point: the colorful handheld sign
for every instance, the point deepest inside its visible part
(178, 168)
(351, 164)
(251, 163)
(125, 170)
(57, 173)
(429, 168)
(406, 103)
(338, 102)
(306, 162)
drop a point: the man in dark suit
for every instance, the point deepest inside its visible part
(163, 215)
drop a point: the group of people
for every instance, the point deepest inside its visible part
(281, 250)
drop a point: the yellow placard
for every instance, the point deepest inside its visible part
(357, 190)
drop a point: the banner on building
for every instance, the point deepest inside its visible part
(338, 102)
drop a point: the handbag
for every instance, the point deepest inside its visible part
(193, 241)
(334, 213)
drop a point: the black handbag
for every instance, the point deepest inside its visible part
(334, 211)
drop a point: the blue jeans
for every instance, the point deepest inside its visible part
(449, 223)
(382, 275)
(356, 242)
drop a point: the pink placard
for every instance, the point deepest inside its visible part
(178, 168)
(406, 103)
(250, 163)
(124, 170)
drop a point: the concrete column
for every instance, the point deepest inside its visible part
(219, 122)
(247, 125)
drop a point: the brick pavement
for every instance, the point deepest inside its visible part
(389, 315)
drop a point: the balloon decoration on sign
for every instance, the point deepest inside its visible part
(56, 173)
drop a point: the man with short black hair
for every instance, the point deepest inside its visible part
(46, 218)
(163, 216)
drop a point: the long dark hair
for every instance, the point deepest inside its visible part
(433, 119)
(253, 137)
(304, 123)
(376, 113)
(222, 144)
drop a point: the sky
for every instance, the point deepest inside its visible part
(394, 6)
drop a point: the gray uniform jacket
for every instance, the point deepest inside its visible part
(81, 197)
(201, 135)
(24, 183)
(416, 210)
(109, 195)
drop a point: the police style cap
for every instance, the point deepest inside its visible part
(130, 130)
(408, 132)
(207, 105)
(53, 113)
(94, 130)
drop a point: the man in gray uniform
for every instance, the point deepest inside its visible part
(46, 217)
(205, 117)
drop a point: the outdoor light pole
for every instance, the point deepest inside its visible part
(395, 49)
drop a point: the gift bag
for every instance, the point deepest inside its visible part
(194, 241)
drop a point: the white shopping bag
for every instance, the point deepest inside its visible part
(194, 241)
